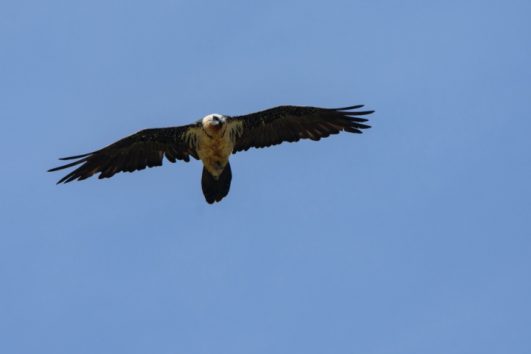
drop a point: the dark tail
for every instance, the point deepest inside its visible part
(216, 189)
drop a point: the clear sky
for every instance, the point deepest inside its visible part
(414, 237)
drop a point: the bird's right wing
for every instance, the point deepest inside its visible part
(145, 148)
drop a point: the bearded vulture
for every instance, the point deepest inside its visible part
(212, 140)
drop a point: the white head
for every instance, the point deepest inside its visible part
(214, 120)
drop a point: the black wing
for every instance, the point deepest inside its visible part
(146, 148)
(292, 123)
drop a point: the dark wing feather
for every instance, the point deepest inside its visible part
(292, 123)
(146, 148)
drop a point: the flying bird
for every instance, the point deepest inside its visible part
(212, 140)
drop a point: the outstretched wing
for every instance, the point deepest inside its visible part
(146, 148)
(292, 123)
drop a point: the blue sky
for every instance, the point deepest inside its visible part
(412, 238)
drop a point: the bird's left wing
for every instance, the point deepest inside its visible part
(292, 123)
(145, 148)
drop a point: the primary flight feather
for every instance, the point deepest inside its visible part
(212, 140)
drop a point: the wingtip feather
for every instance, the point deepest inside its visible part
(348, 108)
(75, 157)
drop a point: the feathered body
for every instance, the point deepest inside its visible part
(212, 140)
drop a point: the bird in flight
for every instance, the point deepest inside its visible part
(212, 140)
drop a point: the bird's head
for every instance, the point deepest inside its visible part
(214, 121)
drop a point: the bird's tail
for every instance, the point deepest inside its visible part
(214, 188)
